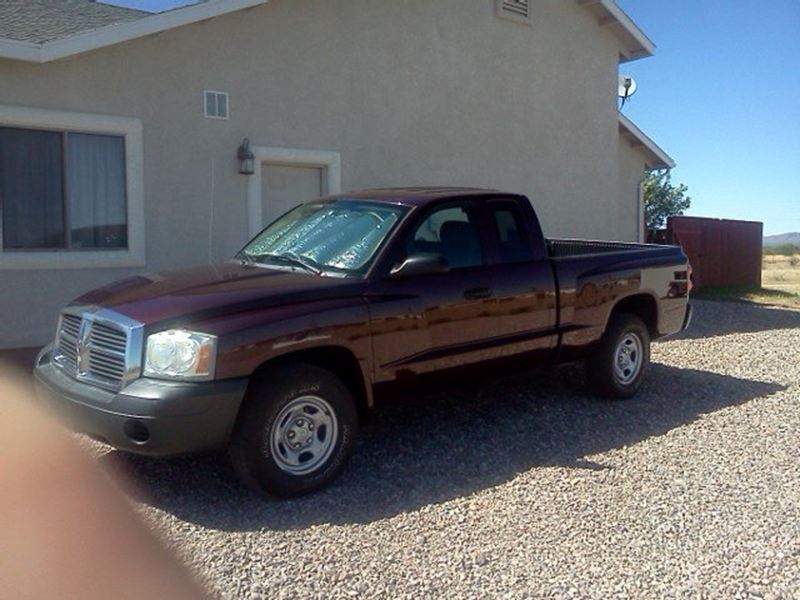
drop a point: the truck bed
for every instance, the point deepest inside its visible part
(560, 248)
(596, 271)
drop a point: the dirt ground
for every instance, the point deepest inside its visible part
(782, 273)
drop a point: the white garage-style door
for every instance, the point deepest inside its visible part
(283, 188)
(286, 177)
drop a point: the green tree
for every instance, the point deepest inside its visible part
(662, 199)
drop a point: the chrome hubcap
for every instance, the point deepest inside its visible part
(304, 435)
(628, 361)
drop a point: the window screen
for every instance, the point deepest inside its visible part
(31, 188)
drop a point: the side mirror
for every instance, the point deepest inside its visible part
(420, 264)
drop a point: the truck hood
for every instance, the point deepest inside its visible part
(200, 293)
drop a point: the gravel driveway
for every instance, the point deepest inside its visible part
(530, 488)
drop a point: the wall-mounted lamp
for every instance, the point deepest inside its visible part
(247, 160)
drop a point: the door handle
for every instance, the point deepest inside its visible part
(478, 293)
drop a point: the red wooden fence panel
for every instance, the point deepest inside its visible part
(722, 252)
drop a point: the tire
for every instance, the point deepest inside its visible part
(295, 431)
(617, 367)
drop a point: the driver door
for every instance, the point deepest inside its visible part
(435, 321)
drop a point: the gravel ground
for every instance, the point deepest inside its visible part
(530, 488)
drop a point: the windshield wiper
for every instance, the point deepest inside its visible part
(294, 260)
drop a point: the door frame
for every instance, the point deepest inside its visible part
(329, 162)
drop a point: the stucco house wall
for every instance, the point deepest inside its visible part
(408, 93)
(630, 210)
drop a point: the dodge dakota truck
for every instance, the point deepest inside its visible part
(277, 354)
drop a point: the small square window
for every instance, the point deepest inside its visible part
(215, 104)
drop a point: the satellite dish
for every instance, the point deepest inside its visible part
(627, 86)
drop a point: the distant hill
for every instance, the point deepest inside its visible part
(782, 239)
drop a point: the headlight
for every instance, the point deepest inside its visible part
(179, 354)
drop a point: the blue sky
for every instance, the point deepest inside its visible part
(151, 5)
(721, 96)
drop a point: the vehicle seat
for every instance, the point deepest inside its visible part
(513, 248)
(461, 244)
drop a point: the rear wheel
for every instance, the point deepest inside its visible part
(618, 365)
(295, 432)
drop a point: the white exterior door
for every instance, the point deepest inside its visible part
(284, 178)
(284, 187)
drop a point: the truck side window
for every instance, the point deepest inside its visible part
(451, 232)
(512, 241)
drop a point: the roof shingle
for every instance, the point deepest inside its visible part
(40, 21)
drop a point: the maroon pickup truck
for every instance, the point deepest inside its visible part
(277, 355)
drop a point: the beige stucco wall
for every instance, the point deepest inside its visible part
(411, 92)
(632, 167)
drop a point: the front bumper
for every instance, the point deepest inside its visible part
(151, 417)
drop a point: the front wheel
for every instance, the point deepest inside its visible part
(295, 432)
(618, 365)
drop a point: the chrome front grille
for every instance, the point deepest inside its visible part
(68, 334)
(99, 347)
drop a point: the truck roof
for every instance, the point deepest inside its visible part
(419, 196)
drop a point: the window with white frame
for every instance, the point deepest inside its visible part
(215, 104)
(62, 190)
(71, 190)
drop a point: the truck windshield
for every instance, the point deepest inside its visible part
(338, 237)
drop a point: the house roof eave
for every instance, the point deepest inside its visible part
(656, 157)
(17, 50)
(634, 43)
(121, 32)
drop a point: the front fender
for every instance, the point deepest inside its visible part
(248, 340)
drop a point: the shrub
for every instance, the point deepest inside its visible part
(783, 249)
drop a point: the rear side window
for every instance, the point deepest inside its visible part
(512, 242)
